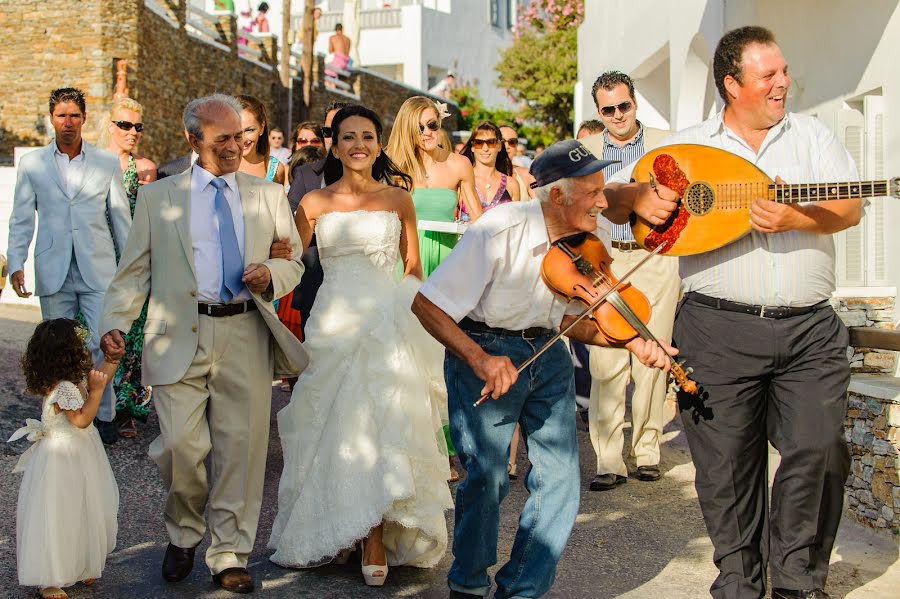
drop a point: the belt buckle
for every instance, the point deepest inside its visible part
(209, 308)
(762, 312)
(524, 335)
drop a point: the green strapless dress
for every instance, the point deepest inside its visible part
(434, 204)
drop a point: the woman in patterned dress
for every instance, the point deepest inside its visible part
(124, 131)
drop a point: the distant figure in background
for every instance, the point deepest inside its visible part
(262, 22)
(302, 157)
(443, 87)
(538, 150)
(339, 48)
(522, 158)
(123, 132)
(71, 186)
(511, 142)
(308, 133)
(590, 127)
(309, 177)
(276, 145)
(256, 159)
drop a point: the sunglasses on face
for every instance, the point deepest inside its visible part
(432, 125)
(512, 141)
(624, 107)
(315, 141)
(127, 125)
(482, 143)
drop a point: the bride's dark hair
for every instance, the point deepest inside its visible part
(383, 169)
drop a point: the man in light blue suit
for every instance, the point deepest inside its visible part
(71, 186)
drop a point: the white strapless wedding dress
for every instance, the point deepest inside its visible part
(361, 437)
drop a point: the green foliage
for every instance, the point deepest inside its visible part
(540, 68)
(472, 110)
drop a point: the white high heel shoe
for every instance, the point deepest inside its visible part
(370, 572)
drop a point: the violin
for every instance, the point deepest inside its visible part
(577, 268)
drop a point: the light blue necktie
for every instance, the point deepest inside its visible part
(232, 261)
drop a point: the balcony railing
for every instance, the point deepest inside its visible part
(383, 18)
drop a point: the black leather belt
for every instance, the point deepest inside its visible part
(761, 311)
(467, 324)
(219, 310)
(626, 246)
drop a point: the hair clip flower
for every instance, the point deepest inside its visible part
(442, 109)
(82, 334)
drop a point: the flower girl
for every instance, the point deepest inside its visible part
(68, 500)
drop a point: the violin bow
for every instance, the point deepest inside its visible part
(589, 310)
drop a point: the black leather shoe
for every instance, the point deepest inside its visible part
(236, 580)
(648, 473)
(799, 594)
(605, 482)
(109, 431)
(178, 563)
(460, 595)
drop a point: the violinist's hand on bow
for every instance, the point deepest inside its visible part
(650, 354)
(498, 374)
(654, 202)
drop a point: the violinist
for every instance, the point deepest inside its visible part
(487, 304)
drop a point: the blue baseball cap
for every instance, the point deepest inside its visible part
(564, 159)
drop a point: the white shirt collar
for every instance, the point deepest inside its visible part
(202, 178)
(536, 227)
(716, 124)
(80, 155)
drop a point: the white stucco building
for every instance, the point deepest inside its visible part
(417, 42)
(842, 59)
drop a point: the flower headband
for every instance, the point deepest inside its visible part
(442, 109)
(82, 334)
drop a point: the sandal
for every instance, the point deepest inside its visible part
(88, 581)
(53, 593)
(454, 473)
(128, 430)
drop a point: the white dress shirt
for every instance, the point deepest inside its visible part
(493, 275)
(205, 233)
(793, 268)
(70, 171)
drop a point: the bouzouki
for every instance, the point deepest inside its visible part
(716, 189)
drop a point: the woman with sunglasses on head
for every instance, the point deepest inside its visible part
(256, 159)
(121, 136)
(440, 177)
(358, 436)
(493, 168)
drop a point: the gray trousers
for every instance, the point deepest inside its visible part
(75, 295)
(782, 381)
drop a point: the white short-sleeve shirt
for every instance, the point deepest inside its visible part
(793, 268)
(493, 275)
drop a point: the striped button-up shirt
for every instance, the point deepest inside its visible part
(626, 154)
(793, 268)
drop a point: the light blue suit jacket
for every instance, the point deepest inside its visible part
(66, 223)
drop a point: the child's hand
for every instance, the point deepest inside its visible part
(97, 381)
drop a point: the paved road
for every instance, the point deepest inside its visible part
(640, 540)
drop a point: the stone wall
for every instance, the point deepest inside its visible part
(877, 312)
(872, 431)
(58, 43)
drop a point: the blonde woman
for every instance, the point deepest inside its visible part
(440, 178)
(121, 136)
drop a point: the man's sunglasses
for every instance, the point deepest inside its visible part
(127, 125)
(480, 143)
(512, 141)
(315, 141)
(624, 107)
(326, 131)
(433, 125)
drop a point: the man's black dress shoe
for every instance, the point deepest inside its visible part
(178, 563)
(648, 473)
(799, 594)
(109, 431)
(236, 580)
(460, 595)
(605, 482)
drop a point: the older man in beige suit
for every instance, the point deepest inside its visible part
(199, 247)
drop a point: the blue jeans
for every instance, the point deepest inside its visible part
(543, 402)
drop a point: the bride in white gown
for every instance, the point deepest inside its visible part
(364, 452)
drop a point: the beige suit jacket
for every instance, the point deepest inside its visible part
(158, 262)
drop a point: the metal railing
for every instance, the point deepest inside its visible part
(383, 18)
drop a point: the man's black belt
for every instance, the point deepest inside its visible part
(219, 310)
(626, 246)
(756, 310)
(467, 324)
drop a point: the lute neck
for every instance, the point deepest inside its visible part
(813, 192)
